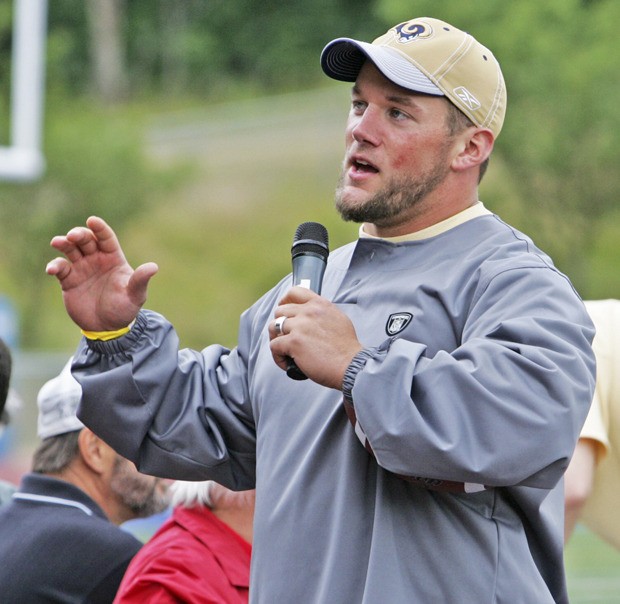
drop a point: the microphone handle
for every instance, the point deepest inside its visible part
(294, 372)
(308, 270)
(311, 277)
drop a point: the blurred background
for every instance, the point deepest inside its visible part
(204, 131)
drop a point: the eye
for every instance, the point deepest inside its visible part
(397, 114)
(357, 106)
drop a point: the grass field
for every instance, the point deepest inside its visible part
(593, 570)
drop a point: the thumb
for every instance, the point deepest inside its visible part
(139, 281)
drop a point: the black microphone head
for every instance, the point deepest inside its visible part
(311, 237)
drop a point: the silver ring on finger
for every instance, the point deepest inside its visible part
(279, 325)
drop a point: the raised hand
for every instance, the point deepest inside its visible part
(101, 291)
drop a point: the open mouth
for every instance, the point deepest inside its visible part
(364, 166)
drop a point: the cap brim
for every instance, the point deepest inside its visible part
(343, 58)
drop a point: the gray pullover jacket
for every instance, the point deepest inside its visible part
(478, 370)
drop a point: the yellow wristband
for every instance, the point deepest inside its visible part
(106, 335)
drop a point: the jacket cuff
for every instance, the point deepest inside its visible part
(355, 366)
(123, 342)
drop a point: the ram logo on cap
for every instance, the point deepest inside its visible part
(412, 30)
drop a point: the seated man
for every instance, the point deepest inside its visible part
(58, 539)
(592, 489)
(201, 554)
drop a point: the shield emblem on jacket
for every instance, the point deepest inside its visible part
(397, 322)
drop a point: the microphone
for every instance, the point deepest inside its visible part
(309, 256)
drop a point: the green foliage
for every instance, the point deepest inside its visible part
(215, 266)
(202, 214)
(224, 238)
(67, 48)
(5, 66)
(95, 166)
(207, 48)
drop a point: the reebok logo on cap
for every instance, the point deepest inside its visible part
(467, 97)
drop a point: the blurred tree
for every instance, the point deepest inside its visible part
(5, 66)
(195, 47)
(174, 20)
(107, 48)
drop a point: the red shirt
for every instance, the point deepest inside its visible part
(193, 557)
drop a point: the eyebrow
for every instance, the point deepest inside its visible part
(403, 99)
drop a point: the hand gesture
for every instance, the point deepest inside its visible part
(100, 290)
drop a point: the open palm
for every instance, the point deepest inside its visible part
(101, 291)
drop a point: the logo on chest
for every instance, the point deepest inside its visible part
(397, 322)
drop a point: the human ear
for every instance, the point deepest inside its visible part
(473, 147)
(93, 450)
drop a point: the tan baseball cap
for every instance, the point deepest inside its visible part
(432, 57)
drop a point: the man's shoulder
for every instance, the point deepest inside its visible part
(58, 512)
(502, 245)
(101, 533)
(48, 544)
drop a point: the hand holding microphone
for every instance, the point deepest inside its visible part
(323, 338)
(309, 257)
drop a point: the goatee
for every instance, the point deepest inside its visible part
(399, 196)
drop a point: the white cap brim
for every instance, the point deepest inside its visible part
(343, 58)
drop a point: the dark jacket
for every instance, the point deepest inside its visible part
(56, 545)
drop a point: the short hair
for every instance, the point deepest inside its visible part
(191, 494)
(6, 364)
(457, 122)
(55, 453)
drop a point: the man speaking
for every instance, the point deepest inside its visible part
(448, 361)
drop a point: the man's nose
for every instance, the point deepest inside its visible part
(366, 128)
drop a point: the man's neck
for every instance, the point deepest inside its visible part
(238, 519)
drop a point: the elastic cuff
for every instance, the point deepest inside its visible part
(355, 366)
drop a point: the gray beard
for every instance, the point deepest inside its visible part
(399, 196)
(136, 491)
